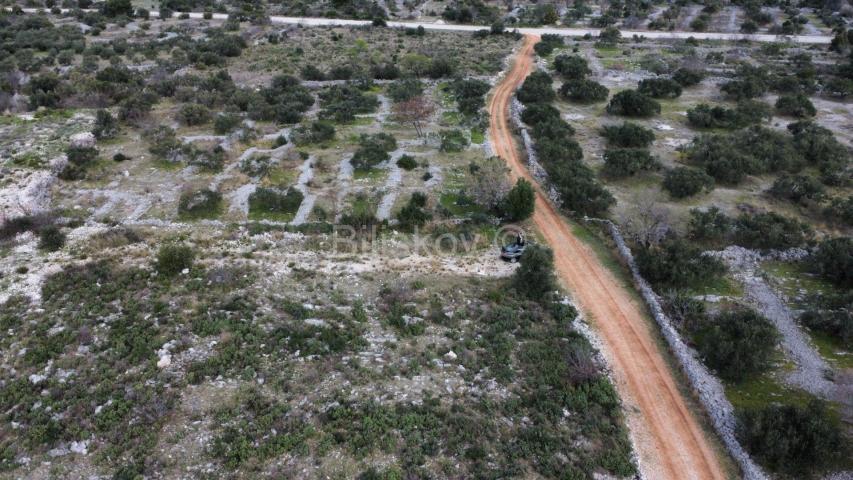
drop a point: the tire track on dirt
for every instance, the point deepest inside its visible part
(669, 442)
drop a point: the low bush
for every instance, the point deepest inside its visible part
(174, 258)
(453, 141)
(199, 204)
(79, 158)
(407, 162)
(683, 182)
(193, 114)
(769, 230)
(572, 67)
(659, 88)
(632, 103)
(793, 440)
(624, 162)
(747, 112)
(413, 215)
(536, 88)
(535, 277)
(51, 238)
(840, 210)
(584, 90)
(797, 188)
(405, 89)
(519, 202)
(342, 103)
(687, 77)
(833, 260)
(710, 226)
(628, 135)
(797, 105)
(316, 132)
(266, 201)
(679, 264)
(738, 344)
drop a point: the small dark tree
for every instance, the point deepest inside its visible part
(682, 182)
(519, 202)
(536, 88)
(797, 188)
(571, 67)
(687, 77)
(659, 88)
(172, 259)
(115, 8)
(624, 162)
(51, 238)
(632, 103)
(535, 277)
(797, 105)
(105, 125)
(833, 260)
(413, 215)
(584, 91)
(628, 135)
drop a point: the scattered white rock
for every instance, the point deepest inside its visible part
(450, 356)
(82, 140)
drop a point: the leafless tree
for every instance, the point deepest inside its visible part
(414, 111)
(647, 221)
(488, 184)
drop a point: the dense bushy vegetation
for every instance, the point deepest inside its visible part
(584, 90)
(343, 102)
(793, 440)
(678, 263)
(571, 67)
(659, 88)
(747, 112)
(560, 155)
(833, 259)
(628, 135)
(274, 203)
(519, 202)
(738, 344)
(624, 162)
(683, 182)
(631, 103)
(536, 88)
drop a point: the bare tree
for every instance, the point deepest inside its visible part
(414, 111)
(647, 221)
(488, 184)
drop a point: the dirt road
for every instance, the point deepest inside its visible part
(669, 440)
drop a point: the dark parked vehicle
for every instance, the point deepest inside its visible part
(513, 251)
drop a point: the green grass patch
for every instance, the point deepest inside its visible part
(369, 173)
(458, 205)
(477, 136)
(763, 390)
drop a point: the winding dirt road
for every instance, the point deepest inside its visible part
(669, 441)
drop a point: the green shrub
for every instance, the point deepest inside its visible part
(659, 88)
(679, 264)
(369, 156)
(738, 344)
(316, 132)
(793, 440)
(709, 225)
(199, 204)
(469, 94)
(537, 113)
(749, 82)
(682, 182)
(624, 162)
(632, 103)
(106, 125)
(833, 260)
(193, 114)
(797, 188)
(412, 215)
(534, 278)
(173, 258)
(342, 103)
(79, 158)
(797, 105)
(628, 135)
(571, 67)
(584, 90)
(51, 238)
(536, 88)
(520, 201)
(840, 210)
(226, 122)
(453, 141)
(407, 162)
(687, 77)
(746, 113)
(405, 89)
(264, 201)
(769, 230)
